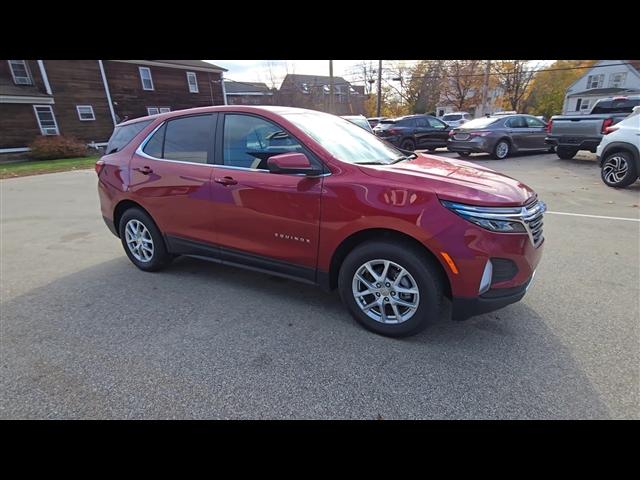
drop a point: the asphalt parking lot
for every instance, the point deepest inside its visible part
(84, 334)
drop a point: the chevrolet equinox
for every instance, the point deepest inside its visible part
(312, 197)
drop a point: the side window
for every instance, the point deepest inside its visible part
(250, 141)
(408, 122)
(155, 144)
(435, 123)
(422, 123)
(533, 122)
(516, 122)
(188, 139)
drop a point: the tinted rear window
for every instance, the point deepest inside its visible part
(188, 139)
(615, 106)
(479, 122)
(451, 118)
(123, 135)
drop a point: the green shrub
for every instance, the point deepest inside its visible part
(50, 147)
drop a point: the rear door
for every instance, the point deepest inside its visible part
(171, 173)
(518, 130)
(537, 133)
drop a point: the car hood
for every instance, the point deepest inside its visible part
(455, 180)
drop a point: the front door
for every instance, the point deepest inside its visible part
(172, 174)
(263, 219)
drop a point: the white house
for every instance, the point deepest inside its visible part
(607, 78)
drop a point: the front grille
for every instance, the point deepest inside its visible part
(533, 216)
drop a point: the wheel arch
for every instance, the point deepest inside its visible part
(122, 207)
(366, 235)
(615, 147)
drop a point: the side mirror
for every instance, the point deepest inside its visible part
(291, 163)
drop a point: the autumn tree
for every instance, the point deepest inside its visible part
(549, 86)
(462, 85)
(514, 78)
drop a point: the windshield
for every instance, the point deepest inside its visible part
(343, 139)
(479, 123)
(450, 118)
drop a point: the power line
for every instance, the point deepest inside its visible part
(415, 77)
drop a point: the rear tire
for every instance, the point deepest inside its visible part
(619, 170)
(566, 153)
(412, 280)
(408, 144)
(501, 150)
(142, 241)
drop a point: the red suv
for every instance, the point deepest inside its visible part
(312, 197)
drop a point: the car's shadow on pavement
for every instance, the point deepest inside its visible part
(201, 340)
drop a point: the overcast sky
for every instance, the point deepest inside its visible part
(260, 70)
(264, 70)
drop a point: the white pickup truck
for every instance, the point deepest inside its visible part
(568, 134)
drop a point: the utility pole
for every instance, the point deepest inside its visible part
(331, 86)
(485, 87)
(379, 88)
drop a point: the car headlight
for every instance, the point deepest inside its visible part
(496, 219)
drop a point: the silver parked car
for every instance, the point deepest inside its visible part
(499, 136)
(455, 119)
(359, 120)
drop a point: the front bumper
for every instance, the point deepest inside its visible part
(494, 299)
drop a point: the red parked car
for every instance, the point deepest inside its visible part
(313, 197)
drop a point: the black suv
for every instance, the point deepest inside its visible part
(414, 131)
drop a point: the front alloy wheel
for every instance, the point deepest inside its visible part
(385, 291)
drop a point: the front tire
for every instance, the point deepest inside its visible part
(464, 154)
(142, 241)
(390, 288)
(619, 170)
(566, 153)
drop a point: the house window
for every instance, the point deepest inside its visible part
(46, 120)
(583, 104)
(616, 80)
(145, 78)
(157, 110)
(85, 112)
(192, 80)
(595, 81)
(20, 72)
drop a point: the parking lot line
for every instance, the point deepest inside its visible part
(595, 216)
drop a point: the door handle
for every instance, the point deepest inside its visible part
(225, 180)
(146, 170)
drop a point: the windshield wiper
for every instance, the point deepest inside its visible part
(371, 163)
(404, 157)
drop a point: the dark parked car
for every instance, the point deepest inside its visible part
(499, 136)
(309, 196)
(414, 131)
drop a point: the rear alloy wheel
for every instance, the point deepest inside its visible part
(390, 288)
(619, 170)
(501, 150)
(408, 144)
(566, 153)
(142, 241)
